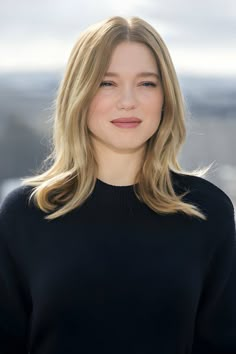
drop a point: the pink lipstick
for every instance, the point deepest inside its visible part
(128, 122)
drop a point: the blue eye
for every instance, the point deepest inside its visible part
(109, 84)
(149, 84)
(105, 84)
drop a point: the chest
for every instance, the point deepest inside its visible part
(142, 267)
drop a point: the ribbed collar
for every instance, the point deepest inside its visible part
(114, 195)
(103, 184)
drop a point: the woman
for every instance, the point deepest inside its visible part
(113, 248)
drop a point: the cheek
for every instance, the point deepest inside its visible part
(98, 110)
(153, 113)
(152, 102)
(93, 106)
(92, 111)
(99, 107)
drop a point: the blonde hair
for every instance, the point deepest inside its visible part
(71, 175)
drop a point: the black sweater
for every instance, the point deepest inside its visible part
(114, 277)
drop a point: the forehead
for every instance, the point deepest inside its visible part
(133, 56)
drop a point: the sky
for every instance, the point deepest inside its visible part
(39, 35)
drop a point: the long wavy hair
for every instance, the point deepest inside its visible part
(68, 175)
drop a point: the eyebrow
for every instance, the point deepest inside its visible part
(142, 74)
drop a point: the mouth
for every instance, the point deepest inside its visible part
(126, 124)
(126, 120)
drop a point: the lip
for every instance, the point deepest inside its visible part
(126, 125)
(126, 120)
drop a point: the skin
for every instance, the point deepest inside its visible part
(119, 151)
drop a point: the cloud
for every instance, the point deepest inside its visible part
(193, 23)
(42, 33)
(198, 20)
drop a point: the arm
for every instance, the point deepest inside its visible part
(215, 329)
(13, 313)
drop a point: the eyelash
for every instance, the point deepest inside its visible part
(150, 84)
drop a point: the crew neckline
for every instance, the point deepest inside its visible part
(112, 186)
(114, 196)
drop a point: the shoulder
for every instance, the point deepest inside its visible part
(16, 202)
(209, 197)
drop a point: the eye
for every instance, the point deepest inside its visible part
(149, 83)
(106, 84)
(145, 84)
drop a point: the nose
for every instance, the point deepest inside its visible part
(127, 99)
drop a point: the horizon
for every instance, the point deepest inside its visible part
(61, 70)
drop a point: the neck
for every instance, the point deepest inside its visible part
(118, 168)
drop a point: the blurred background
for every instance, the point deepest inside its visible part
(35, 42)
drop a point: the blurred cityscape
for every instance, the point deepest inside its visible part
(26, 101)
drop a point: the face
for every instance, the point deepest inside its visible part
(128, 92)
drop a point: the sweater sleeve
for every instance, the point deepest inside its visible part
(215, 328)
(13, 314)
